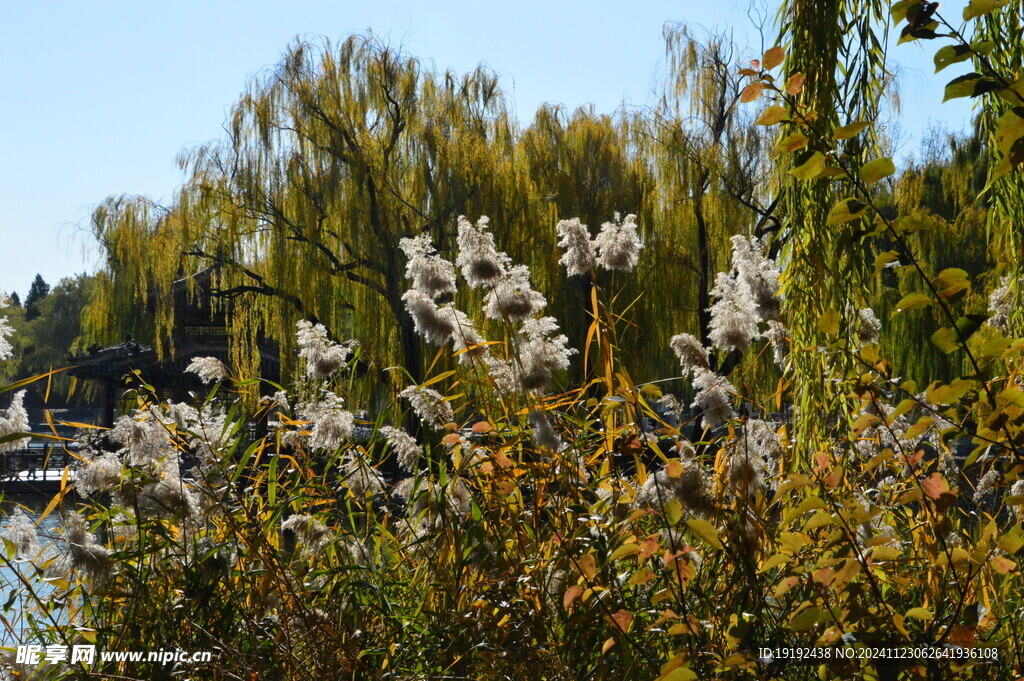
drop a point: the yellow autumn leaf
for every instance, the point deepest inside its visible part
(705, 531)
(773, 57)
(772, 115)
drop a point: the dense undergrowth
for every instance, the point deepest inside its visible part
(529, 532)
(494, 523)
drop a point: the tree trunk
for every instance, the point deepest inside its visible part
(408, 339)
(703, 263)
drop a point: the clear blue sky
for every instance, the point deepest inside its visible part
(100, 96)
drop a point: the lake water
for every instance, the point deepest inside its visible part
(12, 588)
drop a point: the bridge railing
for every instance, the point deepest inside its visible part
(39, 459)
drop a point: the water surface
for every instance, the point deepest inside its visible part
(15, 598)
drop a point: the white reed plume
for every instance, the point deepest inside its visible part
(504, 374)
(1000, 304)
(6, 330)
(99, 474)
(759, 274)
(580, 256)
(312, 535)
(542, 352)
(429, 405)
(86, 555)
(618, 244)
(512, 297)
(713, 397)
(407, 451)
(692, 355)
(430, 274)
(14, 420)
(324, 357)
(480, 262)
(869, 327)
(21, 532)
(361, 478)
(734, 316)
(778, 335)
(544, 435)
(687, 486)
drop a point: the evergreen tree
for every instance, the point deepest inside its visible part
(36, 293)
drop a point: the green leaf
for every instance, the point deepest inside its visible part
(968, 325)
(31, 379)
(913, 301)
(951, 54)
(899, 11)
(1010, 140)
(908, 224)
(828, 322)
(945, 339)
(272, 481)
(1010, 396)
(940, 394)
(969, 85)
(876, 170)
(438, 378)
(705, 531)
(951, 282)
(14, 592)
(882, 260)
(845, 132)
(926, 32)
(1011, 543)
(819, 519)
(994, 347)
(243, 463)
(625, 551)
(11, 437)
(673, 511)
(806, 619)
(811, 168)
(792, 142)
(983, 46)
(880, 553)
(846, 211)
(977, 8)
(777, 560)
(919, 614)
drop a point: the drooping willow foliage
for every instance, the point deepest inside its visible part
(582, 164)
(941, 192)
(573, 529)
(1006, 219)
(140, 243)
(330, 161)
(711, 163)
(339, 152)
(836, 66)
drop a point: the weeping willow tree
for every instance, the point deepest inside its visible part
(141, 244)
(1004, 27)
(838, 48)
(338, 153)
(942, 192)
(713, 173)
(584, 165)
(329, 161)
